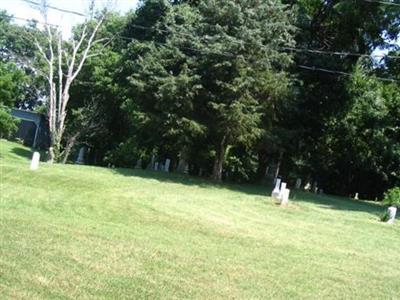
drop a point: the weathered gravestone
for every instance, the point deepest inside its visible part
(150, 166)
(298, 183)
(35, 161)
(276, 190)
(315, 187)
(156, 166)
(138, 164)
(167, 163)
(81, 156)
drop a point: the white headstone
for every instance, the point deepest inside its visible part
(167, 163)
(35, 161)
(285, 197)
(276, 190)
(156, 166)
(282, 190)
(356, 196)
(392, 210)
(298, 183)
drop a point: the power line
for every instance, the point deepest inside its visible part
(339, 72)
(383, 2)
(315, 51)
(31, 20)
(339, 53)
(57, 8)
(230, 55)
(290, 48)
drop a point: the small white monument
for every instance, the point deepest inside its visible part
(167, 163)
(285, 198)
(307, 187)
(356, 197)
(392, 210)
(35, 161)
(276, 190)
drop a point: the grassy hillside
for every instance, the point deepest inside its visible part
(78, 232)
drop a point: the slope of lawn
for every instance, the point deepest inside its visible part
(79, 232)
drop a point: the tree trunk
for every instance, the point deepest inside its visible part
(278, 166)
(51, 155)
(70, 144)
(262, 164)
(219, 160)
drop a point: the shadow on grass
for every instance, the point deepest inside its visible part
(251, 189)
(338, 203)
(24, 153)
(323, 201)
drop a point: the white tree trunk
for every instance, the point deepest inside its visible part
(59, 96)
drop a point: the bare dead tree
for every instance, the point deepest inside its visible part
(58, 58)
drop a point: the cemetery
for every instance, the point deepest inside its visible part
(186, 149)
(91, 232)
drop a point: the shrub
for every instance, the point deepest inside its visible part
(392, 197)
(124, 155)
(8, 124)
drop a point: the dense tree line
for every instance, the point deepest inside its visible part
(231, 88)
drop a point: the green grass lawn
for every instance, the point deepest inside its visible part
(79, 232)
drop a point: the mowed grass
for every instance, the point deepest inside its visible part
(80, 232)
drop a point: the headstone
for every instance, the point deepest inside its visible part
(315, 187)
(392, 214)
(160, 167)
(35, 161)
(285, 197)
(182, 165)
(156, 166)
(276, 190)
(282, 190)
(307, 187)
(298, 183)
(356, 196)
(167, 163)
(200, 172)
(81, 156)
(138, 164)
(186, 169)
(150, 166)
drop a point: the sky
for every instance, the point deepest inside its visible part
(66, 21)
